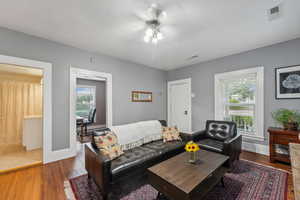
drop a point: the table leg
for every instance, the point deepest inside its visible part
(222, 181)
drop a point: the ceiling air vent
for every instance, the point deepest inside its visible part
(275, 12)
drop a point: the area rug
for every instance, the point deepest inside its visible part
(247, 181)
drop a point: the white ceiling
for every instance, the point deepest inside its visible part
(208, 28)
(20, 70)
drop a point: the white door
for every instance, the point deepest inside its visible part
(179, 104)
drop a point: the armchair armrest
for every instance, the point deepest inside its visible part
(186, 136)
(233, 147)
(234, 139)
(98, 167)
(198, 135)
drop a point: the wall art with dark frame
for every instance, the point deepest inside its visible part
(288, 82)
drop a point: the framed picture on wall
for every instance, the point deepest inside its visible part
(141, 96)
(288, 82)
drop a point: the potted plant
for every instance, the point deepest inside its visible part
(289, 119)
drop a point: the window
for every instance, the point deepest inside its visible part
(239, 98)
(86, 100)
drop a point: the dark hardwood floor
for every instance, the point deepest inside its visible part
(47, 182)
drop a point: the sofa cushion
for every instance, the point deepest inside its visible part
(211, 145)
(170, 134)
(161, 147)
(220, 130)
(108, 144)
(132, 159)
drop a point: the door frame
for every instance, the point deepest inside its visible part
(187, 81)
(48, 153)
(89, 75)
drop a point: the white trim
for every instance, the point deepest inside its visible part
(47, 99)
(256, 148)
(89, 75)
(60, 155)
(187, 81)
(259, 107)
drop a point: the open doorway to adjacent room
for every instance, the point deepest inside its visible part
(21, 117)
(90, 104)
(90, 107)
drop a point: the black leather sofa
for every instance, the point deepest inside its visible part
(134, 162)
(220, 137)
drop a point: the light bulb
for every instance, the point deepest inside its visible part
(149, 32)
(164, 14)
(159, 36)
(147, 38)
(154, 40)
(154, 5)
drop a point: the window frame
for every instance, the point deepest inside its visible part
(94, 97)
(259, 104)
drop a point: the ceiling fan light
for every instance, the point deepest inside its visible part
(149, 32)
(159, 36)
(147, 39)
(154, 40)
(154, 5)
(164, 14)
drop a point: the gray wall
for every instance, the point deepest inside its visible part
(126, 76)
(284, 54)
(100, 99)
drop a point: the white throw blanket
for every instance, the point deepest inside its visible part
(137, 134)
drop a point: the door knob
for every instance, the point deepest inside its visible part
(185, 112)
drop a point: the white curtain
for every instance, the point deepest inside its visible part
(17, 99)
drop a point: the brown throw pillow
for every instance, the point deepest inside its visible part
(108, 145)
(170, 134)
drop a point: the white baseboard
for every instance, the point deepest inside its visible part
(60, 155)
(256, 148)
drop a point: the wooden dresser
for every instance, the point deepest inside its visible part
(281, 138)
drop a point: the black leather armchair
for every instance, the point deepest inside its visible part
(220, 137)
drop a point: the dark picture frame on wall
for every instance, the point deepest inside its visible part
(287, 80)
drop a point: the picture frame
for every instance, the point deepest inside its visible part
(141, 96)
(287, 81)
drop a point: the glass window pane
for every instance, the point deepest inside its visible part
(239, 102)
(85, 101)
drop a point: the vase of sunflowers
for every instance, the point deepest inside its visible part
(192, 148)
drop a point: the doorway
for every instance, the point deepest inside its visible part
(21, 116)
(90, 108)
(48, 154)
(90, 104)
(179, 105)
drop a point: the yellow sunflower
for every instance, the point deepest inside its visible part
(192, 147)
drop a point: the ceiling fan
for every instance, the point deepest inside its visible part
(153, 33)
(158, 20)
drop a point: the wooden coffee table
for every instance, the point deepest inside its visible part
(177, 179)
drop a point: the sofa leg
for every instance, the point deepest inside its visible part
(105, 197)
